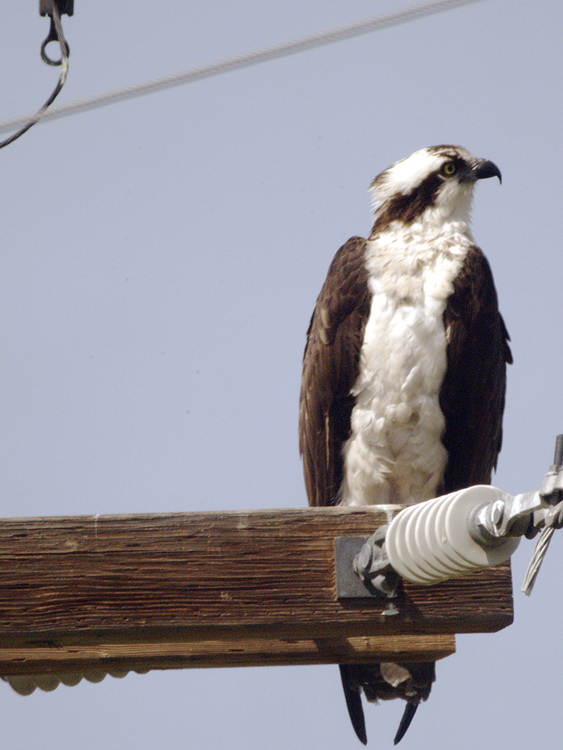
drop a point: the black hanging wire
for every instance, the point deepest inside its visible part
(276, 52)
(55, 35)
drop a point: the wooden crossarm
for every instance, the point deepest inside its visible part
(216, 589)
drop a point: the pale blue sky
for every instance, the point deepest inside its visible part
(161, 260)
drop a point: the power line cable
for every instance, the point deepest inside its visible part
(244, 61)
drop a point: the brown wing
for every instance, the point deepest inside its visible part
(330, 369)
(472, 394)
(471, 397)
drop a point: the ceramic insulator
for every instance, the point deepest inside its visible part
(430, 542)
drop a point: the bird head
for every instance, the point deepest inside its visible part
(434, 183)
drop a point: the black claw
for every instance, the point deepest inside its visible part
(354, 705)
(408, 715)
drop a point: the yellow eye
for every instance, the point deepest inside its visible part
(449, 169)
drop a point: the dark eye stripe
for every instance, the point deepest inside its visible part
(407, 208)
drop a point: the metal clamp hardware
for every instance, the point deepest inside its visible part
(509, 517)
(63, 6)
(362, 567)
(523, 514)
(451, 535)
(55, 9)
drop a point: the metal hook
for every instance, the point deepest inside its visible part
(51, 8)
(53, 37)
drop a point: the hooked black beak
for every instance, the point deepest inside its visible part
(483, 168)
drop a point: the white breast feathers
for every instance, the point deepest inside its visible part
(395, 453)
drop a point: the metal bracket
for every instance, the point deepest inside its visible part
(55, 9)
(509, 517)
(64, 6)
(526, 513)
(362, 568)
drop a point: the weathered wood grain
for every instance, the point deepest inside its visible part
(229, 653)
(213, 577)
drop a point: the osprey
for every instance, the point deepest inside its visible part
(404, 371)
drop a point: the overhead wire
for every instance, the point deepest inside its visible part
(237, 63)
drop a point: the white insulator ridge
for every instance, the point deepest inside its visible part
(430, 542)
